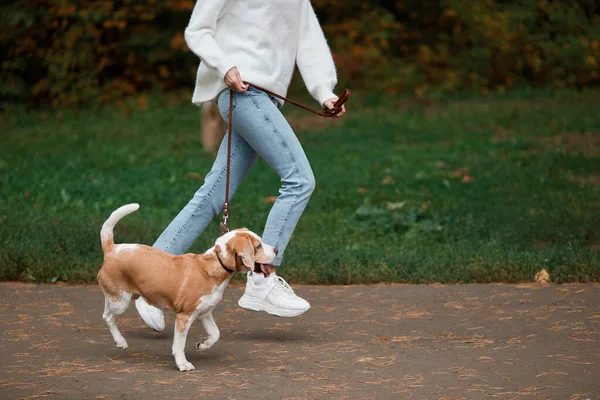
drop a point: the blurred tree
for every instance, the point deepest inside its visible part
(75, 51)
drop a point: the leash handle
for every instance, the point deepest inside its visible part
(325, 112)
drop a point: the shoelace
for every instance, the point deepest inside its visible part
(283, 285)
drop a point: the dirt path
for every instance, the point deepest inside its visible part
(386, 342)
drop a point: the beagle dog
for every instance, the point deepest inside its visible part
(189, 284)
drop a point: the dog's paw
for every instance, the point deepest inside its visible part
(122, 344)
(201, 346)
(186, 366)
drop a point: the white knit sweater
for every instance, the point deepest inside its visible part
(264, 39)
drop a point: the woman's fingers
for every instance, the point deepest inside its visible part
(330, 104)
(234, 80)
(230, 77)
(241, 86)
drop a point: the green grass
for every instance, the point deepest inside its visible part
(390, 203)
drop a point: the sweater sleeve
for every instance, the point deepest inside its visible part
(199, 36)
(314, 57)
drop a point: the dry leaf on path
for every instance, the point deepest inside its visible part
(543, 276)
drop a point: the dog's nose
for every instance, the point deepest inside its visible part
(275, 250)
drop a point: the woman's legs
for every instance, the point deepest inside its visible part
(208, 201)
(258, 120)
(259, 128)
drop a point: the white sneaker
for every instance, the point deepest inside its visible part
(273, 295)
(152, 316)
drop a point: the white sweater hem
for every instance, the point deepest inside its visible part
(204, 93)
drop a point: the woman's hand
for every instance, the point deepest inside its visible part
(234, 80)
(329, 104)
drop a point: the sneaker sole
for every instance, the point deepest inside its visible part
(254, 304)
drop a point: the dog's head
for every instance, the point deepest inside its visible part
(240, 249)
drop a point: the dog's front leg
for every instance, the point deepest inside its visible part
(212, 331)
(182, 326)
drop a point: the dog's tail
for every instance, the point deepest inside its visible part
(106, 234)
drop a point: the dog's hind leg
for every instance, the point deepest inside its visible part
(183, 322)
(113, 307)
(212, 330)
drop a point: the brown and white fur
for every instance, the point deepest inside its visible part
(189, 284)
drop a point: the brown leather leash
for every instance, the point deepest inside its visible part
(325, 112)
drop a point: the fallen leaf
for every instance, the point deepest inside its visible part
(194, 175)
(362, 190)
(459, 172)
(543, 276)
(467, 179)
(387, 180)
(142, 102)
(270, 199)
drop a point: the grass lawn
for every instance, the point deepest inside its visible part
(471, 190)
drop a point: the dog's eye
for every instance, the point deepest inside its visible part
(259, 246)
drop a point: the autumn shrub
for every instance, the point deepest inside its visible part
(70, 51)
(74, 51)
(448, 45)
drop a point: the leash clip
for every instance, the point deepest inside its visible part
(224, 228)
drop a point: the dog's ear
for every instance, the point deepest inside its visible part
(227, 257)
(244, 249)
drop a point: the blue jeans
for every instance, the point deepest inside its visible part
(259, 129)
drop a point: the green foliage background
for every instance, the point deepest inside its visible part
(440, 189)
(454, 191)
(80, 51)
